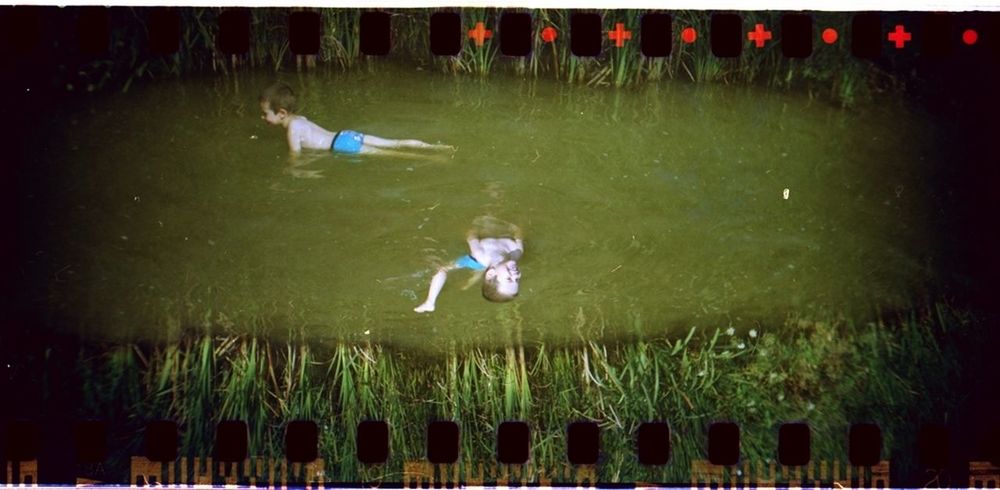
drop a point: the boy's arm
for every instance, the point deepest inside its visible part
(518, 240)
(296, 160)
(473, 279)
(475, 247)
(517, 232)
(294, 138)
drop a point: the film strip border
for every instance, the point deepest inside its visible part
(871, 34)
(232, 463)
(936, 35)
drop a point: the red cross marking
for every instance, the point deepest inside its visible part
(480, 33)
(758, 35)
(900, 36)
(619, 35)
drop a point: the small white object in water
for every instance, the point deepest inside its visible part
(753, 333)
(124, 238)
(253, 136)
(367, 332)
(730, 331)
(785, 193)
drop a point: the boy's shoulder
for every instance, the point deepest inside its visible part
(301, 126)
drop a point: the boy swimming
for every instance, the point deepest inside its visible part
(495, 257)
(277, 102)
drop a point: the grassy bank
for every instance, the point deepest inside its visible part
(898, 372)
(831, 72)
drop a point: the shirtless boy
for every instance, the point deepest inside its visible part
(277, 102)
(495, 257)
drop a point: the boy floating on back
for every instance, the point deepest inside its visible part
(277, 102)
(496, 257)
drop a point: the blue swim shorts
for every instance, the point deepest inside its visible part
(467, 262)
(348, 141)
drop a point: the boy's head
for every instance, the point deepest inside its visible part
(502, 281)
(277, 102)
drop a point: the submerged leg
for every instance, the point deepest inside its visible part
(388, 143)
(371, 150)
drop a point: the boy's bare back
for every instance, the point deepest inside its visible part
(303, 133)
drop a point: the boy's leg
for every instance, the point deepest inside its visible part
(388, 143)
(372, 150)
(437, 283)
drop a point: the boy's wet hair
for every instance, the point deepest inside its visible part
(279, 96)
(493, 294)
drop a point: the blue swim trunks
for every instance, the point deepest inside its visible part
(348, 141)
(467, 262)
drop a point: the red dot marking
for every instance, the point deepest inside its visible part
(970, 36)
(829, 35)
(549, 34)
(689, 35)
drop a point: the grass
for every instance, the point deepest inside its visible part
(830, 72)
(895, 371)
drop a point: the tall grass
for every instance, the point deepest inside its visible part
(897, 371)
(831, 71)
(474, 58)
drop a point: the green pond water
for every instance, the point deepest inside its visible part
(646, 211)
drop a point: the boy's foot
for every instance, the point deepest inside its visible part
(424, 308)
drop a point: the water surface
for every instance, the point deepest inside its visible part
(646, 211)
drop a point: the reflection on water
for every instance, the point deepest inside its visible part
(645, 210)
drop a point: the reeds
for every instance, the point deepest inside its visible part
(895, 371)
(475, 58)
(831, 71)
